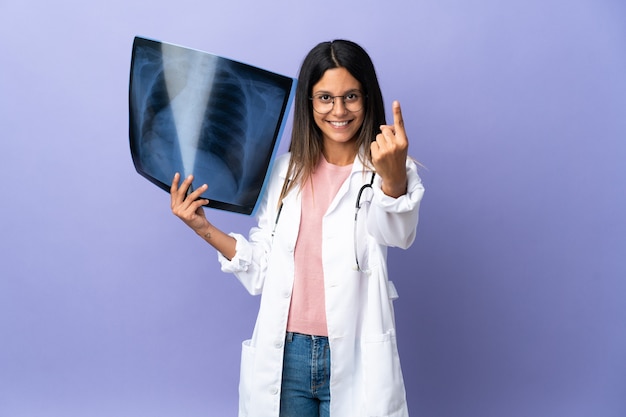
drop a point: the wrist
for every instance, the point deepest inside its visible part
(205, 232)
(395, 190)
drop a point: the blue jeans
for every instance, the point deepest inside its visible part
(305, 390)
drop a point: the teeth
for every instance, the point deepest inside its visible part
(338, 124)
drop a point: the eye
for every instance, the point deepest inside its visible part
(351, 97)
(324, 98)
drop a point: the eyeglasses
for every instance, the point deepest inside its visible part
(323, 103)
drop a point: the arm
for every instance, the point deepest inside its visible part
(393, 221)
(247, 258)
(189, 209)
(398, 189)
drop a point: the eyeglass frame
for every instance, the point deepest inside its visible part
(343, 100)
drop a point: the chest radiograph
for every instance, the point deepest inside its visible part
(197, 113)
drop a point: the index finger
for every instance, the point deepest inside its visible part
(175, 181)
(398, 121)
(180, 189)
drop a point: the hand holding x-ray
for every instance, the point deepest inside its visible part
(187, 204)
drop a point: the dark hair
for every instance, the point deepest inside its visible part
(306, 138)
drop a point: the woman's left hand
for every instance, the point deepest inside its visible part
(389, 153)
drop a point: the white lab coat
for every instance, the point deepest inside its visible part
(366, 379)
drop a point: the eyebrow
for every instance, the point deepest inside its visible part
(353, 90)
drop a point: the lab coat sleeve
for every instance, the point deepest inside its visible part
(393, 221)
(251, 258)
(249, 263)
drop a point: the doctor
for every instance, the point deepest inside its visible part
(324, 343)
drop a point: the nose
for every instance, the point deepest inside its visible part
(339, 107)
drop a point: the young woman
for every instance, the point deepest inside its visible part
(324, 342)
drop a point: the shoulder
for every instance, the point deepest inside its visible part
(280, 165)
(283, 160)
(278, 171)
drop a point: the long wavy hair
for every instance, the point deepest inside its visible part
(306, 138)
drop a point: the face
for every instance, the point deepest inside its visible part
(339, 126)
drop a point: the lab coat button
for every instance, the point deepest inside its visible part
(274, 390)
(279, 345)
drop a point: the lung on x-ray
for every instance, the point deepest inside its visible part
(197, 113)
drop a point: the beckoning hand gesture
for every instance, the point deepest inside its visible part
(389, 153)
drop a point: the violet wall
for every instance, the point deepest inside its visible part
(511, 299)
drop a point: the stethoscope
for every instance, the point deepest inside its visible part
(357, 206)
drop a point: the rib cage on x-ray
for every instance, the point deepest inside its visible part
(201, 114)
(225, 118)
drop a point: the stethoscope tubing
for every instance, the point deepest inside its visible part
(357, 207)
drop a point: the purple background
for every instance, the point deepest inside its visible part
(512, 299)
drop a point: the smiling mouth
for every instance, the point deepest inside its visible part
(339, 124)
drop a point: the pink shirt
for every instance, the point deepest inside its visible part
(307, 312)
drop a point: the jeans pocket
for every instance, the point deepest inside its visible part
(246, 377)
(384, 386)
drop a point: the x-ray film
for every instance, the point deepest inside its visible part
(197, 113)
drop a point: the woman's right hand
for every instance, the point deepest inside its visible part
(188, 208)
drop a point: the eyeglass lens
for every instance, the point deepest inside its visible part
(324, 103)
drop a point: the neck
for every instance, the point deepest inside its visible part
(340, 154)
